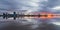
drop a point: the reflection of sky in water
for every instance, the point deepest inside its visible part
(31, 6)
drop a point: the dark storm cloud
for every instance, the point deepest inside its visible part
(8, 5)
(53, 6)
(53, 3)
(14, 5)
(47, 6)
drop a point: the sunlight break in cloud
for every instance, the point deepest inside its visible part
(56, 8)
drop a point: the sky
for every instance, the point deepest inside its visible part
(30, 5)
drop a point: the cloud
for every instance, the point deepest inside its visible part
(56, 8)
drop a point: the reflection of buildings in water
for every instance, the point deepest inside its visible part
(19, 26)
(13, 25)
(45, 26)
